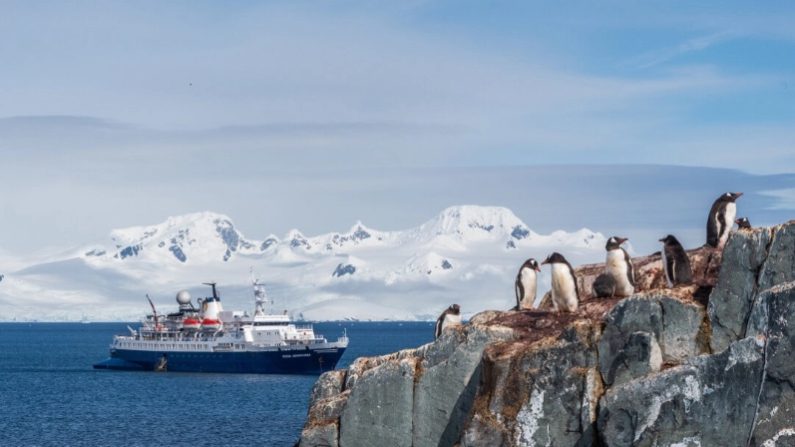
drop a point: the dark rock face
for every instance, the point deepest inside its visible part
(707, 402)
(178, 253)
(419, 397)
(268, 243)
(731, 300)
(343, 269)
(674, 327)
(640, 356)
(390, 387)
(228, 234)
(665, 367)
(773, 318)
(519, 232)
(356, 236)
(131, 250)
(538, 394)
(755, 260)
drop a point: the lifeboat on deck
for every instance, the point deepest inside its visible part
(191, 324)
(211, 324)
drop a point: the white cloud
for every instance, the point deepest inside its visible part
(692, 45)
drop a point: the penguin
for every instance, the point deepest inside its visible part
(721, 218)
(525, 285)
(619, 265)
(565, 292)
(743, 223)
(451, 316)
(675, 262)
(604, 286)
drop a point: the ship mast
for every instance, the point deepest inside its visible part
(260, 296)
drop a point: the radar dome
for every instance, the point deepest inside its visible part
(183, 297)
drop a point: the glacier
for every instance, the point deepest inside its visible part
(467, 254)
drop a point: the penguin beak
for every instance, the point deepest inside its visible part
(737, 194)
(538, 269)
(621, 240)
(662, 240)
(545, 261)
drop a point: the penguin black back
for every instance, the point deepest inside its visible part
(743, 223)
(676, 263)
(604, 286)
(721, 217)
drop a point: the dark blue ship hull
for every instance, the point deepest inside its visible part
(304, 361)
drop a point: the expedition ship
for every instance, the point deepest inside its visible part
(207, 338)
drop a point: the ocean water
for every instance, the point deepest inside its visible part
(51, 396)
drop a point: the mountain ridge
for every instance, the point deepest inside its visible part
(462, 248)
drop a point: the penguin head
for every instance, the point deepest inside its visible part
(730, 196)
(615, 242)
(743, 223)
(531, 264)
(669, 240)
(554, 258)
(454, 309)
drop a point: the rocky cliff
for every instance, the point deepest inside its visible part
(711, 364)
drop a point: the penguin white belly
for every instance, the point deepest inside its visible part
(450, 320)
(528, 280)
(564, 290)
(617, 268)
(665, 269)
(730, 215)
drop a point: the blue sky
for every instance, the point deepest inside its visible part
(119, 113)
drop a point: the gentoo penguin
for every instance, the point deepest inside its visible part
(721, 218)
(619, 265)
(451, 316)
(604, 286)
(743, 223)
(565, 293)
(675, 262)
(525, 285)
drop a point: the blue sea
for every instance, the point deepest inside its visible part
(51, 396)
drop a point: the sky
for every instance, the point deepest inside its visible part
(317, 114)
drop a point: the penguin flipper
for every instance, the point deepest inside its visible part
(685, 273)
(721, 227)
(576, 286)
(630, 268)
(438, 330)
(671, 265)
(519, 289)
(713, 232)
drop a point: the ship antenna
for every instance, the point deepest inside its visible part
(154, 311)
(260, 297)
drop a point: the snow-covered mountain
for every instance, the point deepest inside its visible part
(466, 254)
(199, 237)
